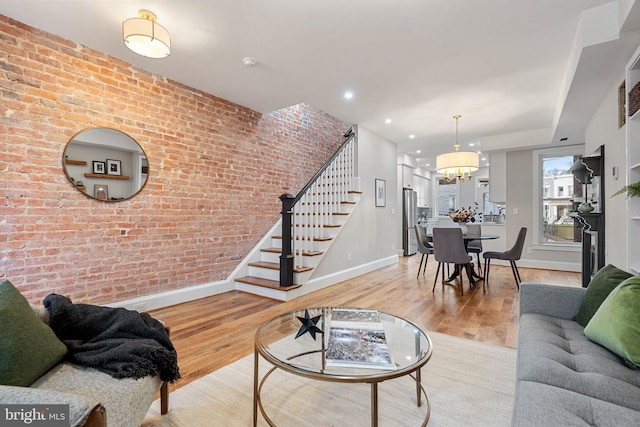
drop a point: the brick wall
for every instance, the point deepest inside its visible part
(216, 170)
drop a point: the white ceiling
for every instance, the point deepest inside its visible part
(501, 64)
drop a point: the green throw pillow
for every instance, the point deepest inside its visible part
(600, 286)
(616, 324)
(28, 347)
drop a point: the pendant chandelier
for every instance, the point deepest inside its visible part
(145, 36)
(459, 164)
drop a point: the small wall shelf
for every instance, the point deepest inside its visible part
(75, 162)
(105, 176)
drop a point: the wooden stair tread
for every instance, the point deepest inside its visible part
(279, 251)
(265, 283)
(332, 213)
(322, 226)
(276, 266)
(315, 239)
(344, 202)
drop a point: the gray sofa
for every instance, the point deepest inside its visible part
(563, 379)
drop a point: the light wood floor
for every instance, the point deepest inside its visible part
(215, 331)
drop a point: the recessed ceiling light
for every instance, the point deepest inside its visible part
(418, 151)
(387, 121)
(484, 158)
(471, 144)
(427, 164)
(412, 136)
(348, 95)
(249, 62)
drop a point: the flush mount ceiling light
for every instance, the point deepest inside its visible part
(459, 164)
(145, 36)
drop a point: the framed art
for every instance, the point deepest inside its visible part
(114, 167)
(101, 191)
(99, 167)
(381, 192)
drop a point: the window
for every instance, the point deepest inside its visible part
(446, 196)
(491, 212)
(553, 193)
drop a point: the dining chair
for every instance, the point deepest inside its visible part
(448, 248)
(424, 247)
(475, 246)
(512, 255)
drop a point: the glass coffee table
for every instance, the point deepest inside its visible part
(276, 342)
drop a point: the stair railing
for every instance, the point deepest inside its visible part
(305, 215)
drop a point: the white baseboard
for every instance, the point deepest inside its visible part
(177, 296)
(546, 265)
(318, 283)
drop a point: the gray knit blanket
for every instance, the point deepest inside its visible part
(120, 342)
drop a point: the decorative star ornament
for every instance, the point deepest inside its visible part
(309, 325)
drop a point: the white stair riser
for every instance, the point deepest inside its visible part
(271, 274)
(270, 257)
(264, 273)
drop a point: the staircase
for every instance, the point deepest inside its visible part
(318, 214)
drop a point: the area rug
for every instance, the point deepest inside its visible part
(468, 383)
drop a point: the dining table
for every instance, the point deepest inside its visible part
(468, 237)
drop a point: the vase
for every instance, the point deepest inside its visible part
(585, 207)
(463, 227)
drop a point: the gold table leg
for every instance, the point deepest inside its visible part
(374, 404)
(255, 388)
(418, 387)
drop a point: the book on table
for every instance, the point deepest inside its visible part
(357, 339)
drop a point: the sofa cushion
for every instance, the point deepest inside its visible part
(554, 352)
(126, 400)
(616, 324)
(600, 286)
(542, 405)
(28, 347)
(79, 406)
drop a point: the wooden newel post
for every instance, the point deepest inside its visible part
(287, 258)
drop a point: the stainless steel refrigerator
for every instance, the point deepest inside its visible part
(409, 215)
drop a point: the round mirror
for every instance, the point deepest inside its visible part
(105, 164)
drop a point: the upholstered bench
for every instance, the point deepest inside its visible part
(33, 371)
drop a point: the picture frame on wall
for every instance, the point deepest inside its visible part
(101, 191)
(99, 167)
(381, 192)
(114, 167)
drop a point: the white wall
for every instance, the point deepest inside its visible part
(371, 233)
(603, 129)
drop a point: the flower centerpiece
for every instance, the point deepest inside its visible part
(465, 215)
